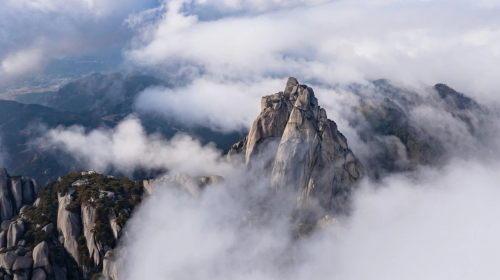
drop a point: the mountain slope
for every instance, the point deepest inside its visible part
(20, 123)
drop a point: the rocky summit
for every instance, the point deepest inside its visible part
(304, 150)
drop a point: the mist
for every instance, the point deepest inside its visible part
(128, 147)
(433, 224)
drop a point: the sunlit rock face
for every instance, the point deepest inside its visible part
(306, 154)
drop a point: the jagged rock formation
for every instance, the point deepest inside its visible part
(14, 193)
(68, 226)
(308, 156)
(88, 217)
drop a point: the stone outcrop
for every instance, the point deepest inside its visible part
(61, 254)
(7, 260)
(68, 225)
(182, 181)
(6, 209)
(115, 227)
(15, 192)
(41, 255)
(23, 262)
(15, 233)
(307, 155)
(88, 221)
(111, 266)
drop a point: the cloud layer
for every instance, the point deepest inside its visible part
(34, 32)
(438, 225)
(337, 42)
(127, 147)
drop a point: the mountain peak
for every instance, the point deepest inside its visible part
(308, 156)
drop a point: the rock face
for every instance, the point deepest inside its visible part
(88, 221)
(68, 225)
(308, 156)
(15, 233)
(41, 255)
(183, 181)
(111, 266)
(23, 262)
(6, 209)
(14, 193)
(7, 260)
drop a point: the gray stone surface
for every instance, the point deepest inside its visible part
(7, 260)
(23, 262)
(41, 255)
(15, 233)
(88, 221)
(68, 224)
(16, 190)
(6, 207)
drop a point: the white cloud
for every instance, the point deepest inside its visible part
(21, 62)
(335, 42)
(33, 32)
(221, 105)
(127, 147)
(438, 225)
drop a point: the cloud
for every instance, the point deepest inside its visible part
(127, 147)
(436, 225)
(411, 42)
(221, 105)
(34, 32)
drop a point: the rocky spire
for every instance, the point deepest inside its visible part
(303, 148)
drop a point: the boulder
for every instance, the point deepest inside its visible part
(68, 224)
(15, 233)
(48, 229)
(38, 274)
(23, 262)
(41, 255)
(7, 260)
